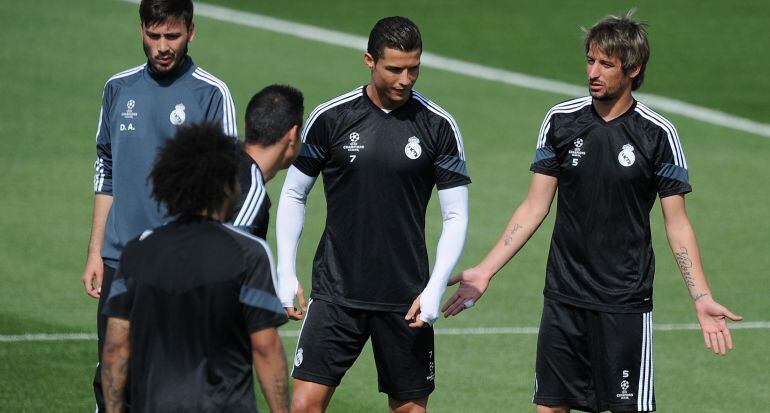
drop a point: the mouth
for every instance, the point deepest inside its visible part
(595, 85)
(164, 60)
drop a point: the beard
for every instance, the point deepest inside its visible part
(178, 55)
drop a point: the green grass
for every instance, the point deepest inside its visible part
(60, 53)
(708, 52)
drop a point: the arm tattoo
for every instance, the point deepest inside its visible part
(698, 297)
(685, 264)
(509, 239)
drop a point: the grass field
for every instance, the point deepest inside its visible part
(57, 55)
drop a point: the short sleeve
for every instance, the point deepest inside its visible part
(545, 161)
(671, 174)
(261, 307)
(450, 169)
(315, 143)
(120, 300)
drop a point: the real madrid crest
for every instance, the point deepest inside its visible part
(298, 357)
(413, 150)
(177, 115)
(626, 157)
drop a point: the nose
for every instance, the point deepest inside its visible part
(162, 45)
(404, 79)
(594, 70)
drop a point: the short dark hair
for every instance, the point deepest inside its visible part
(624, 37)
(272, 112)
(196, 170)
(396, 33)
(152, 12)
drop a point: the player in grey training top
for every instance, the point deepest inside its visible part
(141, 108)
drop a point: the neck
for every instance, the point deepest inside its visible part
(267, 158)
(611, 109)
(381, 101)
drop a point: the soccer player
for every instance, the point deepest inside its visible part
(608, 155)
(381, 149)
(141, 107)
(273, 120)
(192, 304)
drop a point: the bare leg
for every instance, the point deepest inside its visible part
(310, 397)
(408, 406)
(549, 409)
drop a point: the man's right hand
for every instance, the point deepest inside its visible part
(295, 313)
(92, 275)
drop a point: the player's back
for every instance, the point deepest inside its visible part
(189, 339)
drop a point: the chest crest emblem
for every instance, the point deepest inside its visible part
(413, 150)
(626, 157)
(177, 115)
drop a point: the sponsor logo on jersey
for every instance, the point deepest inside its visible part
(413, 150)
(129, 113)
(624, 394)
(354, 146)
(576, 152)
(177, 115)
(626, 157)
(298, 357)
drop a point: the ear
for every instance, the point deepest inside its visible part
(369, 60)
(633, 73)
(191, 32)
(291, 136)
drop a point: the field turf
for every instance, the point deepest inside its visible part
(57, 55)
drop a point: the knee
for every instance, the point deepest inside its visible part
(304, 404)
(408, 406)
(548, 409)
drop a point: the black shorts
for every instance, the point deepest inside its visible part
(594, 361)
(332, 337)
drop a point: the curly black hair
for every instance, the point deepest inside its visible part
(196, 171)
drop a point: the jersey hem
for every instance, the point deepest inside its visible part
(362, 305)
(602, 307)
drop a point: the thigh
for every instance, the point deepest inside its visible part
(622, 356)
(404, 356)
(563, 366)
(330, 340)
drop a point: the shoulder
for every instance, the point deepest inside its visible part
(206, 80)
(434, 110)
(654, 120)
(328, 109)
(125, 78)
(571, 106)
(251, 245)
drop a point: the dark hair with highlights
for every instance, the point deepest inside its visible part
(152, 12)
(624, 37)
(271, 113)
(196, 171)
(394, 32)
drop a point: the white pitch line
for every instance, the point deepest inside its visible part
(477, 331)
(333, 37)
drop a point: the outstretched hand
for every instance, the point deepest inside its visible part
(295, 313)
(473, 283)
(711, 316)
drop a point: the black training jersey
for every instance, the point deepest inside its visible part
(193, 291)
(379, 170)
(609, 174)
(252, 213)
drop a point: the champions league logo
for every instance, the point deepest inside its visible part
(576, 152)
(624, 394)
(413, 150)
(626, 157)
(177, 115)
(354, 146)
(129, 113)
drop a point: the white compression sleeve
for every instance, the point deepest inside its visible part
(289, 221)
(454, 209)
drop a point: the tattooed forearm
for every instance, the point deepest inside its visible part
(685, 265)
(509, 238)
(698, 297)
